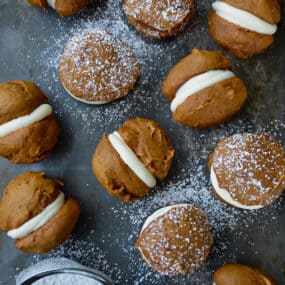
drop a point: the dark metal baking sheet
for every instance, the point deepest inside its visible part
(30, 43)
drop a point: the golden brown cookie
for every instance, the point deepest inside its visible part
(159, 19)
(248, 170)
(28, 127)
(128, 161)
(35, 213)
(176, 239)
(203, 90)
(62, 7)
(244, 27)
(238, 274)
(97, 68)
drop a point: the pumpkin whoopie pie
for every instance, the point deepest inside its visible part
(62, 7)
(159, 19)
(244, 27)
(28, 127)
(248, 170)
(203, 90)
(239, 274)
(35, 212)
(97, 67)
(176, 239)
(128, 161)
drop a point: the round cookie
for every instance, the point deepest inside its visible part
(244, 27)
(128, 161)
(35, 212)
(159, 19)
(28, 127)
(248, 170)
(97, 68)
(203, 90)
(238, 274)
(176, 239)
(62, 7)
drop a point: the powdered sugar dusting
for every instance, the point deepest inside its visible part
(108, 228)
(66, 279)
(250, 167)
(98, 67)
(160, 15)
(190, 184)
(178, 241)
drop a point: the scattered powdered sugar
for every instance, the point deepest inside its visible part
(190, 184)
(251, 167)
(94, 244)
(127, 107)
(160, 15)
(191, 188)
(153, 57)
(66, 279)
(177, 241)
(98, 67)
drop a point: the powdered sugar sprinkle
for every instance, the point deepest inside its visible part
(188, 182)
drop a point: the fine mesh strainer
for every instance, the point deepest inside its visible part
(53, 268)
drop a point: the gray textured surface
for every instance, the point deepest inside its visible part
(107, 230)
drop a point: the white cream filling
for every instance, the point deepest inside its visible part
(159, 213)
(39, 220)
(243, 19)
(52, 3)
(131, 160)
(198, 83)
(225, 195)
(37, 115)
(84, 101)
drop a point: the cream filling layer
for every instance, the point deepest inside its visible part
(37, 115)
(83, 100)
(243, 19)
(131, 160)
(39, 220)
(198, 83)
(52, 3)
(225, 195)
(159, 213)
